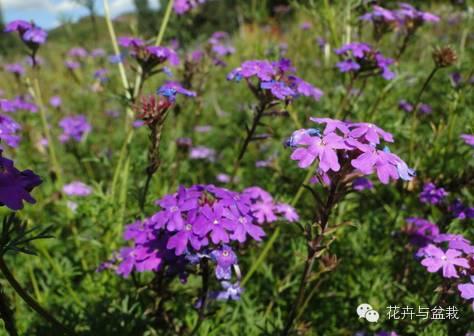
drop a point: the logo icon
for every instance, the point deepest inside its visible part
(366, 311)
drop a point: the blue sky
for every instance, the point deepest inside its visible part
(48, 13)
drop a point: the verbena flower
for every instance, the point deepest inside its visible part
(421, 231)
(274, 80)
(182, 6)
(97, 53)
(362, 183)
(346, 148)
(15, 68)
(16, 185)
(468, 139)
(77, 188)
(436, 259)
(71, 65)
(220, 47)
(74, 128)
(362, 58)
(432, 194)
(9, 131)
(77, 52)
(55, 101)
(202, 152)
(405, 106)
(460, 210)
(405, 17)
(31, 35)
(467, 290)
(201, 221)
(148, 57)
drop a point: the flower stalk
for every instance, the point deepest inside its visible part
(62, 329)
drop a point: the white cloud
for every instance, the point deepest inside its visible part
(25, 4)
(120, 6)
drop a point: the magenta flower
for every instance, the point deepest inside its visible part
(436, 259)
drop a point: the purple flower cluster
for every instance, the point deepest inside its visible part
(32, 35)
(452, 254)
(274, 80)
(16, 185)
(461, 211)
(74, 128)
(200, 222)
(220, 47)
(405, 17)
(182, 6)
(16, 104)
(148, 56)
(347, 148)
(8, 131)
(432, 194)
(15, 68)
(362, 58)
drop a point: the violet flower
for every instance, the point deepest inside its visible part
(74, 128)
(349, 145)
(192, 224)
(468, 139)
(8, 131)
(274, 80)
(16, 185)
(432, 194)
(362, 58)
(436, 259)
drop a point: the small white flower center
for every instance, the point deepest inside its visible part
(225, 253)
(174, 208)
(242, 220)
(444, 258)
(188, 227)
(215, 222)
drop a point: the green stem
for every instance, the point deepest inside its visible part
(164, 23)
(204, 294)
(30, 301)
(44, 122)
(6, 314)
